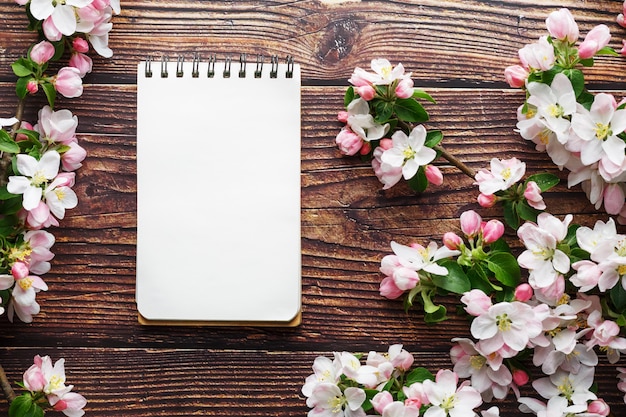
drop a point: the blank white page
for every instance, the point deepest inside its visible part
(218, 195)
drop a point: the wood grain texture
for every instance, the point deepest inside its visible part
(455, 49)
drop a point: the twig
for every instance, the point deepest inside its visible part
(6, 386)
(455, 161)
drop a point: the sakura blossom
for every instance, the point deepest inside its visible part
(409, 152)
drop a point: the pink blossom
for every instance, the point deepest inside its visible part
(34, 379)
(386, 173)
(516, 76)
(596, 39)
(21, 2)
(538, 56)
(409, 152)
(19, 270)
(32, 86)
(39, 217)
(503, 173)
(349, 143)
(71, 404)
(446, 399)
(42, 52)
(81, 62)
(605, 334)
(487, 200)
(389, 289)
(471, 223)
(599, 407)
(57, 126)
(381, 400)
(476, 302)
(400, 358)
(452, 241)
(360, 78)
(520, 377)
(404, 89)
(492, 231)
(342, 116)
(533, 196)
(623, 50)
(80, 45)
(562, 26)
(72, 159)
(68, 82)
(613, 198)
(523, 292)
(366, 92)
(433, 174)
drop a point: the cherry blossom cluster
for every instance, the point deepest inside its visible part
(380, 116)
(46, 387)
(581, 132)
(386, 385)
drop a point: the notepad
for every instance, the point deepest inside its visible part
(218, 192)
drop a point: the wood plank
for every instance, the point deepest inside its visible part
(329, 41)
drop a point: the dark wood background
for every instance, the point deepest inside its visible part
(457, 51)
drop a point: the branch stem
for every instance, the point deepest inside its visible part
(455, 161)
(6, 386)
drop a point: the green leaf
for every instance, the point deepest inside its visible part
(544, 181)
(418, 375)
(51, 93)
(456, 281)
(7, 144)
(5, 194)
(429, 306)
(578, 254)
(417, 93)
(478, 279)
(436, 316)
(21, 68)
(11, 206)
(31, 134)
(418, 182)
(526, 212)
(349, 97)
(618, 297)
(499, 245)
(587, 62)
(607, 50)
(433, 138)
(383, 109)
(409, 110)
(570, 238)
(577, 78)
(505, 268)
(24, 406)
(510, 215)
(20, 86)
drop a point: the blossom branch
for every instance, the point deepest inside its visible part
(455, 161)
(9, 394)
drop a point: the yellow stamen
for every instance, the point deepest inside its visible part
(477, 361)
(603, 131)
(25, 283)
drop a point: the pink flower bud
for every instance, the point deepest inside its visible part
(561, 25)
(366, 148)
(476, 302)
(342, 116)
(386, 143)
(523, 292)
(470, 223)
(51, 32)
(596, 39)
(80, 45)
(620, 20)
(381, 400)
(360, 77)
(72, 159)
(389, 289)
(34, 379)
(492, 231)
(623, 50)
(599, 407)
(32, 86)
(516, 76)
(348, 142)
(487, 200)
(520, 378)
(19, 270)
(81, 62)
(60, 406)
(404, 89)
(68, 82)
(42, 52)
(366, 92)
(532, 194)
(433, 175)
(452, 241)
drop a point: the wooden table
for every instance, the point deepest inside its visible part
(457, 51)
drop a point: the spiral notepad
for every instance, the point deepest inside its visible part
(218, 191)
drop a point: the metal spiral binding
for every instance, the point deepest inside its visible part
(195, 66)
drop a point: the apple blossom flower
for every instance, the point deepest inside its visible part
(419, 258)
(62, 13)
(80, 45)
(381, 400)
(542, 257)
(387, 174)
(446, 399)
(415, 395)
(68, 82)
(400, 409)
(556, 406)
(533, 127)
(366, 92)
(35, 175)
(72, 159)
(409, 152)
(492, 231)
(598, 128)
(405, 89)
(349, 143)
(476, 302)
(327, 399)
(596, 39)
(621, 385)
(533, 196)
(56, 126)
(503, 173)
(81, 62)
(606, 335)
(562, 26)
(487, 200)
(59, 197)
(538, 56)
(42, 52)
(572, 387)
(554, 104)
(50, 31)
(362, 123)
(506, 328)
(324, 371)
(8, 122)
(386, 73)
(71, 404)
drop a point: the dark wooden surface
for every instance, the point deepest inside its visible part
(457, 51)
